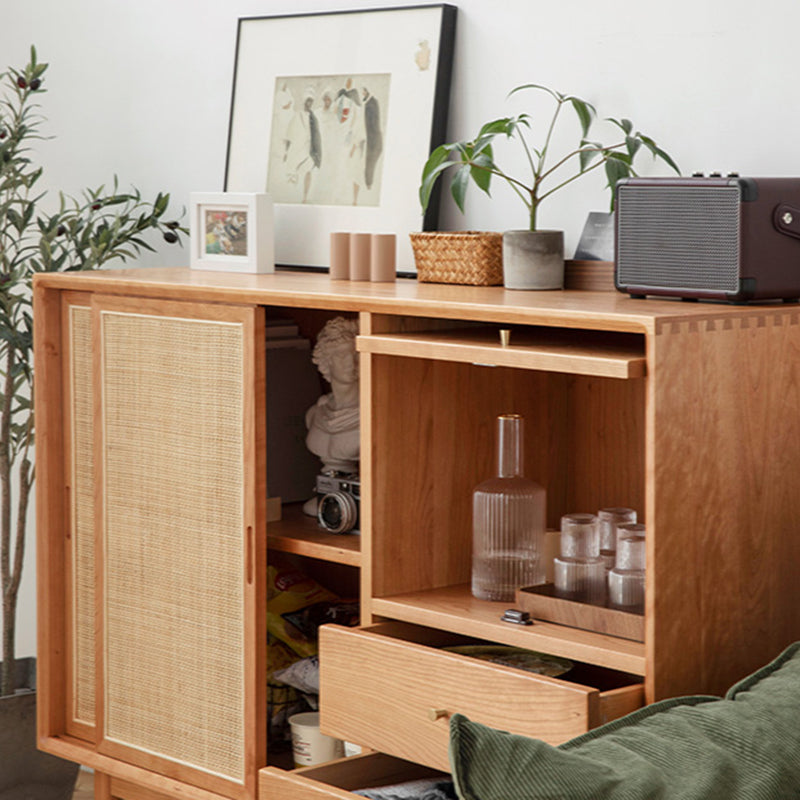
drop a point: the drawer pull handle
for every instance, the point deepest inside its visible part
(438, 713)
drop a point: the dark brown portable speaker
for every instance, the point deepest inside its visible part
(715, 238)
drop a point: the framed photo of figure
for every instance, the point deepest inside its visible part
(334, 115)
(231, 231)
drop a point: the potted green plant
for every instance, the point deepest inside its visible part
(533, 259)
(79, 234)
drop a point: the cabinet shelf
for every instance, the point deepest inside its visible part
(454, 608)
(300, 534)
(599, 353)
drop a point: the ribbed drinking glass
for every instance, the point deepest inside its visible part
(626, 580)
(579, 571)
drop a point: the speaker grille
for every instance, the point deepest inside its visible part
(678, 237)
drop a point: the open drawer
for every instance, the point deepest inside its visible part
(392, 688)
(107, 787)
(339, 779)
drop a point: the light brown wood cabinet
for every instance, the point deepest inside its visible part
(153, 542)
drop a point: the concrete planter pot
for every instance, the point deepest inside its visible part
(25, 772)
(533, 260)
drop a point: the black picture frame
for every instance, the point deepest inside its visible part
(393, 65)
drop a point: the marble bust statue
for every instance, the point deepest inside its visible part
(333, 421)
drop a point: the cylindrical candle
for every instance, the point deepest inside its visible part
(360, 246)
(340, 256)
(383, 261)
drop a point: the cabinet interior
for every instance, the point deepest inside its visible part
(584, 442)
(296, 532)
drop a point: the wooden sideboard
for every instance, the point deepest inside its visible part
(153, 542)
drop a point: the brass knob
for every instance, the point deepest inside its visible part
(437, 713)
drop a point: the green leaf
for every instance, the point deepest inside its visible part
(616, 169)
(438, 161)
(458, 187)
(480, 172)
(585, 112)
(496, 126)
(14, 218)
(557, 96)
(588, 152)
(624, 124)
(615, 155)
(633, 143)
(160, 204)
(117, 199)
(658, 152)
(479, 145)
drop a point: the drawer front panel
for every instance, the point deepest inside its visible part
(339, 779)
(112, 788)
(124, 790)
(396, 695)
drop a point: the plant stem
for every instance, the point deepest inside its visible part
(81, 234)
(7, 680)
(569, 180)
(539, 173)
(603, 149)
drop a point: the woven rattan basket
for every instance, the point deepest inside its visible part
(471, 257)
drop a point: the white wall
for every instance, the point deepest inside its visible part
(142, 89)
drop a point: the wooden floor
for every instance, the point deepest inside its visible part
(84, 788)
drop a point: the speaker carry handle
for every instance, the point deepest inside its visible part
(786, 219)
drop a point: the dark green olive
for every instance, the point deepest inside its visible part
(173, 225)
(171, 237)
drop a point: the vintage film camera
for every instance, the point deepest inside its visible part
(339, 500)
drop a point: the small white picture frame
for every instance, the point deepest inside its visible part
(232, 232)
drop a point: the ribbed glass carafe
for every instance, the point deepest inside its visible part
(508, 522)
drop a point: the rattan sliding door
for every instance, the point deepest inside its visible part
(79, 603)
(179, 431)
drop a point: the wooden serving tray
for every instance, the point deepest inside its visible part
(541, 603)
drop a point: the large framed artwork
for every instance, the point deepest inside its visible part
(334, 115)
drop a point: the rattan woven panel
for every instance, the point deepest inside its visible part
(83, 550)
(173, 545)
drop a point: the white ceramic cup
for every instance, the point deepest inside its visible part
(309, 746)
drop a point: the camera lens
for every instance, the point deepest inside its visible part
(337, 512)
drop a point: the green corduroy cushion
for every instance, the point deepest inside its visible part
(745, 746)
